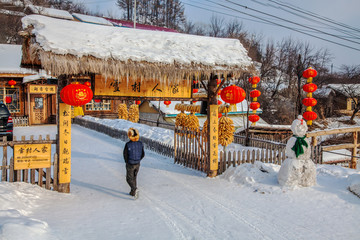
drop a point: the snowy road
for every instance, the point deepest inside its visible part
(180, 203)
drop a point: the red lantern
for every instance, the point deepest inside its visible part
(219, 115)
(137, 102)
(195, 82)
(310, 87)
(76, 94)
(8, 99)
(254, 80)
(310, 115)
(97, 100)
(195, 90)
(219, 102)
(310, 72)
(12, 83)
(255, 93)
(233, 94)
(309, 102)
(254, 105)
(167, 103)
(218, 81)
(254, 118)
(88, 84)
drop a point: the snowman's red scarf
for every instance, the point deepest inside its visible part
(298, 147)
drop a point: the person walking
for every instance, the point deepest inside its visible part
(133, 154)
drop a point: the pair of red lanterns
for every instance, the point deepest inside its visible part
(309, 101)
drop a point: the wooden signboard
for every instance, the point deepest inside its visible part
(214, 137)
(129, 87)
(64, 143)
(43, 89)
(29, 156)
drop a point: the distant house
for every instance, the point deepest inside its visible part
(129, 24)
(325, 98)
(343, 101)
(158, 111)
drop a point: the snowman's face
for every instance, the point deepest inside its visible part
(299, 128)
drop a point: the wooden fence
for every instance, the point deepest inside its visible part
(44, 177)
(21, 121)
(158, 147)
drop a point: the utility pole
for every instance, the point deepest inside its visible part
(134, 14)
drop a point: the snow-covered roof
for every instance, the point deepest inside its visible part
(323, 92)
(10, 60)
(346, 88)
(31, 78)
(71, 47)
(124, 23)
(51, 12)
(92, 19)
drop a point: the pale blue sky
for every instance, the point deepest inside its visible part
(345, 12)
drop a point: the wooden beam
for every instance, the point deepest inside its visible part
(333, 131)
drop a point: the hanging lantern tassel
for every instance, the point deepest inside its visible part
(78, 111)
(309, 101)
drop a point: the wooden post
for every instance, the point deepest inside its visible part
(212, 117)
(354, 152)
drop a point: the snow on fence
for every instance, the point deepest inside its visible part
(44, 177)
(158, 147)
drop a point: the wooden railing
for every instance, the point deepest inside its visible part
(22, 121)
(353, 145)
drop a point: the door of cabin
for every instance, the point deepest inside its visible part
(38, 107)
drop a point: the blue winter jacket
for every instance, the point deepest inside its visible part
(133, 152)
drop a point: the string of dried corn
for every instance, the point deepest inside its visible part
(122, 111)
(226, 131)
(134, 113)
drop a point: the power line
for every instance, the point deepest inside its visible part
(292, 22)
(287, 27)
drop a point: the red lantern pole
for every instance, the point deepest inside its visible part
(309, 101)
(254, 105)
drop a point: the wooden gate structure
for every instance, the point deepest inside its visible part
(130, 64)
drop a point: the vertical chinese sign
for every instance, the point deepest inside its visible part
(64, 143)
(214, 138)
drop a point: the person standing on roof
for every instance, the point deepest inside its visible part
(133, 154)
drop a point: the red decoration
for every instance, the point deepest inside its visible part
(167, 103)
(310, 115)
(254, 80)
(254, 105)
(309, 102)
(8, 99)
(218, 81)
(233, 94)
(255, 93)
(310, 87)
(310, 72)
(254, 118)
(137, 102)
(97, 100)
(76, 94)
(88, 84)
(219, 92)
(12, 83)
(219, 102)
(195, 90)
(219, 115)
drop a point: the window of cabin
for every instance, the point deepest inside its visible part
(103, 105)
(11, 97)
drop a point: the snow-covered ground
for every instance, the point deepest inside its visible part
(246, 202)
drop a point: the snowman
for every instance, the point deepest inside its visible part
(298, 169)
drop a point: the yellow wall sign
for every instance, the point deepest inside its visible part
(136, 88)
(64, 143)
(214, 137)
(28, 156)
(43, 89)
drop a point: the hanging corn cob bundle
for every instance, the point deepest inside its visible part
(226, 131)
(181, 120)
(134, 113)
(204, 130)
(122, 111)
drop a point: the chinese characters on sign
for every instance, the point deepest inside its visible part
(214, 135)
(31, 156)
(45, 89)
(64, 143)
(137, 88)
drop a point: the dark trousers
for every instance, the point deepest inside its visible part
(131, 173)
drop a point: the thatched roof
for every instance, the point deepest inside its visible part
(69, 47)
